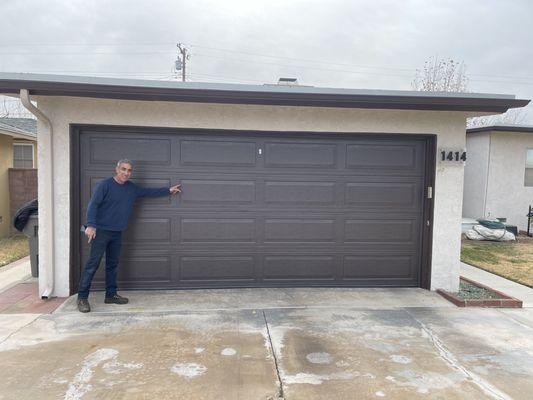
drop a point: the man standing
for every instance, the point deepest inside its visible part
(107, 216)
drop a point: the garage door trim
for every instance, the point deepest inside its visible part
(75, 132)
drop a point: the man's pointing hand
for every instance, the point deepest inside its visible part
(175, 189)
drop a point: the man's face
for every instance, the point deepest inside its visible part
(123, 172)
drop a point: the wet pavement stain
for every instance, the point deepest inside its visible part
(131, 364)
(373, 354)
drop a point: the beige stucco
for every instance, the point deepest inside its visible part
(504, 158)
(6, 162)
(449, 126)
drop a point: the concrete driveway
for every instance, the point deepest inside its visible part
(269, 344)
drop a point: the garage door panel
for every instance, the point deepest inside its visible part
(287, 267)
(299, 230)
(148, 230)
(300, 154)
(380, 231)
(382, 156)
(204, 230)
(300, 193)
(220, 153)
(139, 268)
(384, 194)
(217, 268)
(148, 151)
(217, 191)
(378, 266)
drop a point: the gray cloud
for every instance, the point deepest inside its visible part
(342, 43)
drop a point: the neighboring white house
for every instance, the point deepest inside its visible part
(499, 173)
(282, 185)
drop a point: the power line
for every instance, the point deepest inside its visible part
(305, 59)
(527, 79)
(300, 66)
(85, 53)
(87, 44)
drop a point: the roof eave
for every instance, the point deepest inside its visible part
(501, 128)
(40, 88)
(17, 134)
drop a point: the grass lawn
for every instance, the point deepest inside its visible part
(13, 248)
(512, 260)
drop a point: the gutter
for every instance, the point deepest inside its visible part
(129, 89)
(46, 285)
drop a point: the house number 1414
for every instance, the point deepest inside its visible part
(450, 155)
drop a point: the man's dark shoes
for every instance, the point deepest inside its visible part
(83, 305)
(116, 299)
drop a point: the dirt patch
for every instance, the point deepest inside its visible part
(511, 260)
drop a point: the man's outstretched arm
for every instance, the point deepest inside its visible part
(157, 192)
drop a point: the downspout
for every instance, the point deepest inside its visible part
(48, 284)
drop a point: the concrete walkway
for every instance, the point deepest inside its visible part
(506, 286)
(14, 273)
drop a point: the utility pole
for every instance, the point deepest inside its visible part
(184, 57)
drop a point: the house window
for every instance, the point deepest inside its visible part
(22, 155)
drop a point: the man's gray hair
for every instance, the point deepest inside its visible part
(124, 161)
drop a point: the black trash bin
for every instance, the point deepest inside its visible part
(32, 231)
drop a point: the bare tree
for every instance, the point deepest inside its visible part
(515, 116)
(4, 112)
(441, 75)
(13, 108)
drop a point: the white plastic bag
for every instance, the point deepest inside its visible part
(479, 232)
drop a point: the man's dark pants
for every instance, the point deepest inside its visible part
(108, 242)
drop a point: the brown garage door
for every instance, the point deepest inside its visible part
(262, 209)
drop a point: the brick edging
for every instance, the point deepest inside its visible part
(505, 300)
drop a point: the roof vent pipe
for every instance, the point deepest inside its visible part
(46, 285)
(288, 81)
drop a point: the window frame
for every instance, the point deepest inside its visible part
(32, 154)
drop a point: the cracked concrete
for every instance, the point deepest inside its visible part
(323, 350)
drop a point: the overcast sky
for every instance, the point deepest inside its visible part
(344, 43)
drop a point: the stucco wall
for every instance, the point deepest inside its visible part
(506, 194)
(6, 162)
(476, 174)
(449, 126)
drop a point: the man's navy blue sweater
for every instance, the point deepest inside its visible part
(111, 204)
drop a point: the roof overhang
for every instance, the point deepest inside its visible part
(17, 135)
(130, 89)
(502, 128)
